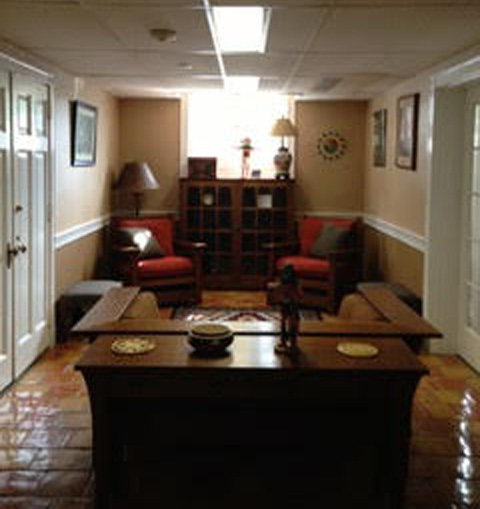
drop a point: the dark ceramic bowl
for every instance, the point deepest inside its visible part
(210, 345)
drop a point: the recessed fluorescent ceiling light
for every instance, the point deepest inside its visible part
(242, 84)
(241, 29)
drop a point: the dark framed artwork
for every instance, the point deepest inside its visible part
(380, 138)
(84, 134)
(202, 168)
(407, 127)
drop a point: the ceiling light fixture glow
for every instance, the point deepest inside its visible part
(241, 84)
(241, 29)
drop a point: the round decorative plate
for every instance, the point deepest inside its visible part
(357, 349)
(331, 145)
(132, 346)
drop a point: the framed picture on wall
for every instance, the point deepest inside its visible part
(202, 168)
(407, 126)
(84, 134)
(380, 137)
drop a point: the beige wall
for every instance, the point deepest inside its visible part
(387, 259)
(83, 194)
(79, 260)
(394, 194)
(329, 185)
(150, 132)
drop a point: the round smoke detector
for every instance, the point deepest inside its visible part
(163, 34)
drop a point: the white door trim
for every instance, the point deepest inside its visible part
(444, 200)
(16, 66)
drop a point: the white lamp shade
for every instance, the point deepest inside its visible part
(283, 127)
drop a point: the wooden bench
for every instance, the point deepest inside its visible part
(399, 320)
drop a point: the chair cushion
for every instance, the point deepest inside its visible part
(143, 306)
(310, 228)
(143, 239)
(305, 266)
(168, 266)
(331, 238)
(161, 227)
(356, 307)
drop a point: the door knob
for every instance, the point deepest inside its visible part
(21, 247)
(18, 208)
(12, 251)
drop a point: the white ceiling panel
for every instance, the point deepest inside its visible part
(406, 64)
(98, 63)
(259, 64)
(65, 2)
(54, 26)
(291, 29)
(343, 3)
(174, 64)
(399, 29)
(401, 64)
(133, 87)
(169, 4)
(324, 48)
(132, 25)
(337, 63)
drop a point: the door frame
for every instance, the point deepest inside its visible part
(16, 66)
(444, 200)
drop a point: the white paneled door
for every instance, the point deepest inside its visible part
(6, 350)
(30, 124)
(24, 227)
(469, 335)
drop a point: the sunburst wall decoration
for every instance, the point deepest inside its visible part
(331, 145)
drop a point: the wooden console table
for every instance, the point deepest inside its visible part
(325, 430)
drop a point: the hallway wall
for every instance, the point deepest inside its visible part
(83, 194)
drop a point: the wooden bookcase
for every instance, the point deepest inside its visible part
(236, 218)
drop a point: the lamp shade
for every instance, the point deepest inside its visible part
(283, 127)
(137, 177)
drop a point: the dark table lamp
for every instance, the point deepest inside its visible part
(136, 178)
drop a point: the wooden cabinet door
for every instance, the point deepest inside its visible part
(235, 218)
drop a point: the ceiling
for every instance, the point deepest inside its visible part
(334, 48)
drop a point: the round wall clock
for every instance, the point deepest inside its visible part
(331, 145)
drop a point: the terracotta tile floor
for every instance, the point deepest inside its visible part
(45, 436)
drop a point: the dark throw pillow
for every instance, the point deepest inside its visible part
(331, 238)
(142, 238)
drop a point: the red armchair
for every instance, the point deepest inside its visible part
(323, 280)
(175, 274)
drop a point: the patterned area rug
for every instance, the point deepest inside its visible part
(233, 315)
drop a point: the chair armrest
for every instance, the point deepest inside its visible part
(277, 249)
(130, 250)
(344, 255)
(345, 264)
(281, 246)
(195, 250)
(190, 247)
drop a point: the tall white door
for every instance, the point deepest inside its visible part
(6, 358)
(469, 330)
(29, 238)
